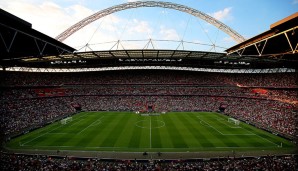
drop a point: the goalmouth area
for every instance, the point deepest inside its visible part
(170, 135)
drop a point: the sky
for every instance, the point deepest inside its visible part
(151, 28)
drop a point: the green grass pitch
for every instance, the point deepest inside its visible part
(170, 132)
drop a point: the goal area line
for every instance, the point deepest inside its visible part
(202, 121)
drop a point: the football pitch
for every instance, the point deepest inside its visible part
(131, 132)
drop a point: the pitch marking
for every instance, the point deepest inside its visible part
(207, 124)
(92, 124)
(223, 121)
(162, 122)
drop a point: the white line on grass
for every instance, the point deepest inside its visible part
(210, 126)
(90, 125)
(22, 144)
(224, 122)
(40, 136)
(219, 131)
(263, 138)
(240, 134)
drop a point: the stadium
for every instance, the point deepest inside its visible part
(148, 108)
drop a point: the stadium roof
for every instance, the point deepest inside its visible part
(19, 40)
(22, 46)
(150, 57)
(280, 42)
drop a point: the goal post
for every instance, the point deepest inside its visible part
(66, 120)
(234, 121)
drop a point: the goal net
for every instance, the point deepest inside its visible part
(234, 121)
(66, 120)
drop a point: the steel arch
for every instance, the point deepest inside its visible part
(137, 4)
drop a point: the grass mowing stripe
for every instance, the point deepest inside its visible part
(99, 131)
(136, 135)
(214, 135)
(40, 135)
(166, 138)
(93, 123)
(262, 136)
(253, 141)
(235, 137)
(176, 137)
(176, 126)
(210, 137)
(145, 136)
(196, 133)
(211, 121)
(265, 137)
(89, 135)
(230, 129)
(204, 122)
(58, 139)
(124, 138)
(156, 141)
(116, 129)
(187, 133)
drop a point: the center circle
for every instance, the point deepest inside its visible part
(153, 124)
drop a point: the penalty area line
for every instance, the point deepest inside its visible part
(22, 144)
(48, 132)
(201, 121)
(90, 125)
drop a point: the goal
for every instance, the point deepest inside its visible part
(66, 120)
(235, 121)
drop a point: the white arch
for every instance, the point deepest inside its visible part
(68, 32)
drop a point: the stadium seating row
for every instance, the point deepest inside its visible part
(10, 162)
(29, 99)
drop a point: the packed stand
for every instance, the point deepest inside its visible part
(11, 162)
(27, 114)
(277, 80)
(32, 99)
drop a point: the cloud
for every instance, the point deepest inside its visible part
(47, 17)
(111, 29)
(168, 34)
(222, 14)
(137, 26)
(52, 19)
(295, 1)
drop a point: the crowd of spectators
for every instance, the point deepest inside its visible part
(25, 103)
(152, 90)
(276, 80)
(285, 95)
(11, 162)
(269, 114)
(19, 115)
(285, 80)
